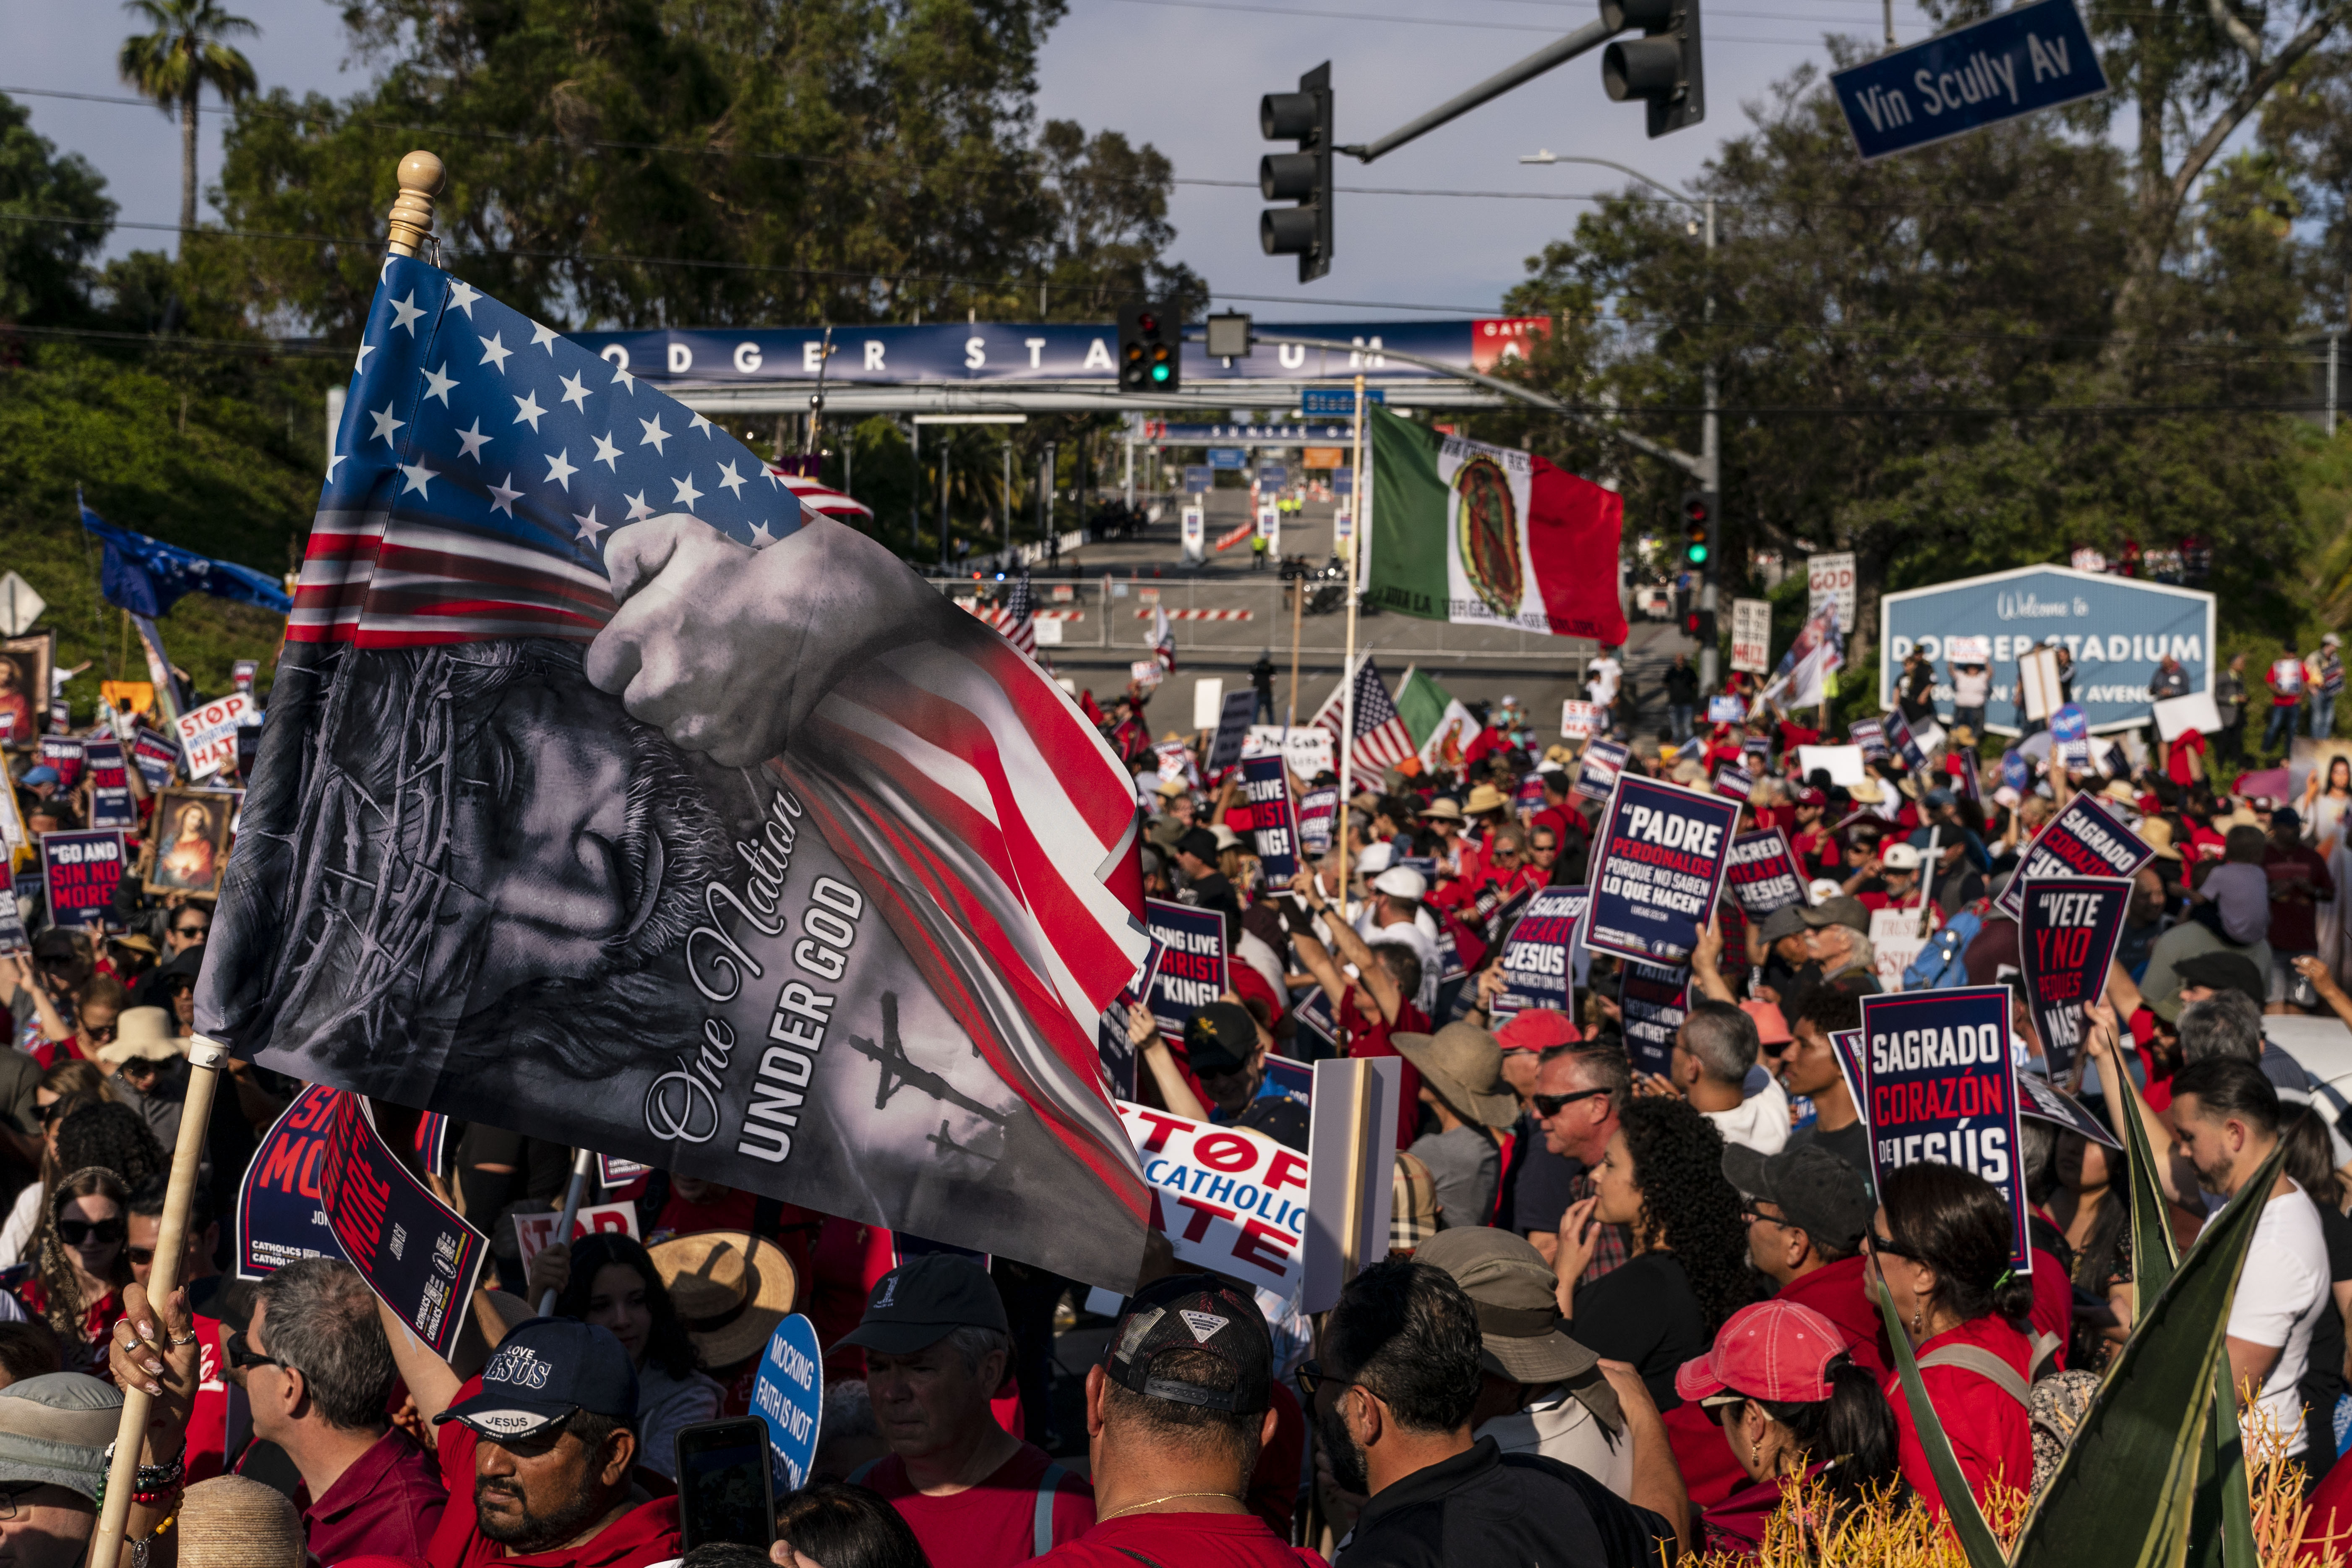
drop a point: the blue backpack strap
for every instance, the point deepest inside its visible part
(858, 1476)
(1041, 1529)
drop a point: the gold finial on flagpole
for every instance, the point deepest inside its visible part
(422, 178)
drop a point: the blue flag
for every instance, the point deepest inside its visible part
(147, 576)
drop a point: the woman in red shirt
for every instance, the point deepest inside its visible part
(1941, 1240)
(79, 1267)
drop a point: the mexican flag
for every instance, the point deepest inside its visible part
(1462, 531)
(1441, 727)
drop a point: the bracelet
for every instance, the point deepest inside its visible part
(152, 1483)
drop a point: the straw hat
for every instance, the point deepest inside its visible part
(731, 1290)
(1447, 808)
(2156, 832)
(236, 1522)
(2119, 792)
(1483, 797)
(142, 1034)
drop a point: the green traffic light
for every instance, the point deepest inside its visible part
(1159, 372)
(1697, 553)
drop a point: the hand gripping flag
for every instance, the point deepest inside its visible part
(609, 795)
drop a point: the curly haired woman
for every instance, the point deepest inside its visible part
(1662, 1179)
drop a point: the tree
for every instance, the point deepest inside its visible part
(42, 263)
(174, 63)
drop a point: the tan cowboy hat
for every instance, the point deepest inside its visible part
(1445, 807)
(731, 1290)
(1464, 1063)
(1869, 792)
(1483, 797)
(2120, 792)
(142, 1034)
(2156, 832)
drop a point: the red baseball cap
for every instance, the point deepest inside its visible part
(1775, 1350)
(1537, 1029)
(1771, 1026)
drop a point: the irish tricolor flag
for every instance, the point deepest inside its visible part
(1462, 531)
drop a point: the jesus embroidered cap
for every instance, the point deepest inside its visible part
(1201, 1313)
(543, 1370)
(925, 1299)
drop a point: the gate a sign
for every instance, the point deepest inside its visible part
(2015, 62)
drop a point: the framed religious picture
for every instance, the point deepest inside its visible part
(24, 666)
(188, 841)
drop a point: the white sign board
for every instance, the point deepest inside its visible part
(208, 735)
(1968, 650)
(1048, 632)
(535, 1231)
(19, 606)
(1208, 701)
(1843, 764)
(2176, 716)
(1579, 721)
(1751, 636)
(2037, 676)
(1895, 938)
(1228, 1200)
(1194, 533)
(1831, 577)
(1331, 1198)
(1308, 750)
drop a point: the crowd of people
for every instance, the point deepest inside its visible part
(1624, 1313)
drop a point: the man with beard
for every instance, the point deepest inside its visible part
(1392, 1403)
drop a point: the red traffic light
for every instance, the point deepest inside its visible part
(1147, 321)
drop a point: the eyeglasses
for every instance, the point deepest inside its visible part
(11, 1493)
(1550, 1105)
(1503, 854)
(1311, 1377)
(78, 1231)
(1774, 1047)
(1878, 1243)
(1540, 850)
(1750, 1212)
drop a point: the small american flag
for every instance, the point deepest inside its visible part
(1381, 738)
(1020, 626)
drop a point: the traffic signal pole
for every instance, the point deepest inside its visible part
(1589, 36)
(1710, 473)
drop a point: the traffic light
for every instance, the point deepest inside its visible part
(1699, 531)
(1663, 66)
(1303, 176)
(1699, 627)
(1149, 357)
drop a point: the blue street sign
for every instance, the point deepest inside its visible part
(1228, 457)
(2035, 56)
(1198, 478)
(1340, 400)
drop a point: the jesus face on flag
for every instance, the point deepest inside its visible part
(694, 830)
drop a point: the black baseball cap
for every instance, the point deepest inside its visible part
(1199, 843)
(545, 1369)
(925, 1299)
(1818, 1193)
(1219, 1038)
(2222, 971)
(1194, 1312)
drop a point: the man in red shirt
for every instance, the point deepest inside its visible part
(1807, 1211)
(1373, 1002)
(1177, 1413)
(937, 1346)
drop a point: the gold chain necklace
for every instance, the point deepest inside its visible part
(1154, 1502)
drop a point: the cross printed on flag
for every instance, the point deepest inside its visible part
(608, 783)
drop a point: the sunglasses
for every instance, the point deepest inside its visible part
(98, 1031)
(1880, 1244)
(1311, 1377)
(1550, 1105)
(190, 931)
(79, 1232)
(244, 1357)
(1750, 1212)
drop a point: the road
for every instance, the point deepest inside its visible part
(1474, 663)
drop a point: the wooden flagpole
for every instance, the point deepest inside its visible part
(412, 222)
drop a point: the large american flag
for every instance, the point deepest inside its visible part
(1381, 738)
(484, 463)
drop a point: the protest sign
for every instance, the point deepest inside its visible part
(1657, 865)
(80, 870)
(1895, 941)
(1175, 762)
(1351, 1153)
(1232, 724)
(2179, 716)
(1725, 711)
(2066, 938)
(208, 734)
(1306, 748)
(1191, 972)
(1942, 1088)
(788, 1396)
(13, 936)
(1758, 749)
(1764, 874)
(13, 835)
(1318, 817)
(1597, 769)
(1904, 743)
(1293, 1080)
(1846, 1045)
(534, 1230)
(241, 673)
(1534, 961)
(1208, 693)
(1114, 1049)
(2083, 840)
(611, 1172)
(1968, 650)
(419, 1255)
(110, 805)
(279, 1217)
(2038, 682)
(66, 754)
(1751, 636)
(1843, 763)
(156, 757)
(1830, 579)
(1870, 734)
(1579, 721)
(2045, 1101)
(1227, 1199)
(1654, 1002)
(1734, 782)
(1273, 823)
(1313, 1011)
(2070, 730)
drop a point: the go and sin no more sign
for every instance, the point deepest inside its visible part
(2032, 57)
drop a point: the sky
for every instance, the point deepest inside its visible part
(1185, 75)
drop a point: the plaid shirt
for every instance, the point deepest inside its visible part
(1611, 1244)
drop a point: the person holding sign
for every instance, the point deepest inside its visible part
(1375, 1001)
(1940, 1245)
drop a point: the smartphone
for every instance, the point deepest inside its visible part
(725, 1488)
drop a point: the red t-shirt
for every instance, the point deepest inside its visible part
(208, 1420)
(1840, 1291)
(1989, 1431)
(388, 1503)
(1368, 1036)
(644, 1535)
(732, 1211)
(2053, 1303)
(995, 1523)
(1179, 1541)
(1272, 1493)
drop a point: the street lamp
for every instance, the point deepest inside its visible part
(1709, 472)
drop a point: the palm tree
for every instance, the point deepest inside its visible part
(174, 65)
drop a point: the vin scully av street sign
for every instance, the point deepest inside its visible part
(2035, 56)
